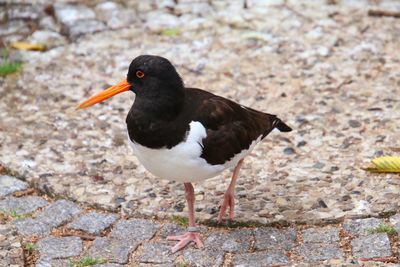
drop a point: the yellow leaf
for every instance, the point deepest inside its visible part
(385, 164)
(28, 46)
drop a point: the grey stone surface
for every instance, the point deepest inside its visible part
(13, 27)
(319, 252)
(175, 229)
(60, 247)
(157, 21)
(9, 185)
(112, 249)
(374, 245)
(141, 264)
(50, 39)
(135, 229)
(71, 14)
(157, 253)
(54, 215)
(203, 258)
(172, 229)
(108, 265)
(198, 8)
(22, 205)
(272, 238)
(361, 226)
(49, 262)
(83, 27)
(31, 226)
(48, 23)
(59, 213)
(235, 241)
(23, 12)
(261, 258)
(321, 235)
(11, 253)
(114, 15)
(395, 221)
(93, 222)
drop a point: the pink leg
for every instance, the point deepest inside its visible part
(229, 197)
(192, 235)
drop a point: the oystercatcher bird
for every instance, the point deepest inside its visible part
(187, 134)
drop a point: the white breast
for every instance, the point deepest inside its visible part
(182, 162)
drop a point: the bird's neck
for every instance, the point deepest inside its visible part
(165, 107)
(151, 121)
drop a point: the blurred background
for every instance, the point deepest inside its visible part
(329, 68)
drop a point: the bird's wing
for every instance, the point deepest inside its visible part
(230, 127)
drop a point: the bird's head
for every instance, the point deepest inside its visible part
(149, 77)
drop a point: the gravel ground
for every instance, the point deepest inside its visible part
(329, 70)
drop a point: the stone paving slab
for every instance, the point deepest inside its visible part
(203, 258)
(318, 252)
(93, 222)
(112, 249)
(158, 265)
(272, 238)
(361, 226)
(261, 258)
(54, 215)
(135, 229)
(9, 185)
(22, 206)
(59, 213)
(395, 221)
(29, 227)
(60, 247)
(371, 246)
(49, 262)
(11, 253)
(157, 253)
(238, 241)
(171, 229)
(318, 235)
(108, 265)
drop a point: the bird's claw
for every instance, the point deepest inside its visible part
(184, 240)
(229, 201)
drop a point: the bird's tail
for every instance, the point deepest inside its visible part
(283, 127)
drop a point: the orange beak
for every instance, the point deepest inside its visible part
(109, 92)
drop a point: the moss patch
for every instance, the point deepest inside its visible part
(7, 68)
(86, 261)
(383, 228)
(180, 220)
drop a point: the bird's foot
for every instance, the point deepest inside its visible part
(229, 201)
(185, 239)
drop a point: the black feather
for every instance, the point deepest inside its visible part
(283, 127)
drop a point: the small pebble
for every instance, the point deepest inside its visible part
(354, 123)
(289, 151)
(319, 165)
(212, 210)
(179, 206)
(301, 143)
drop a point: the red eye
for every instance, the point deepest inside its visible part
(140, 74)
